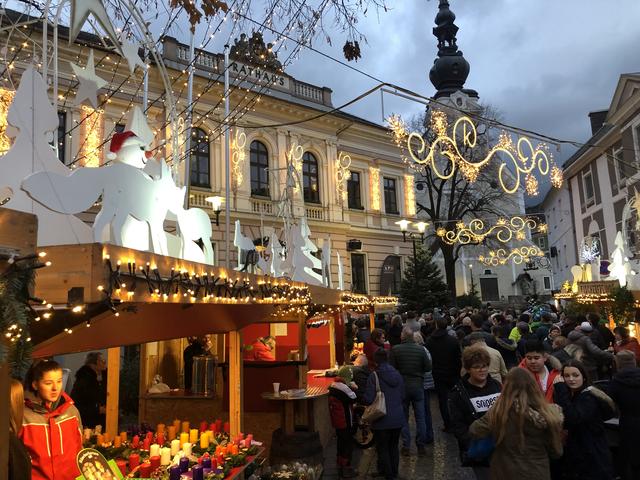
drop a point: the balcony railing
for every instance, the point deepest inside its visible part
(315, 213)
(307, 91)
(262, 206)
(198, 199)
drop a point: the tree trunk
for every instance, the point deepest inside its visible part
(449, 268)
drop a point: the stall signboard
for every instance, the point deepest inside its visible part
(94, 466)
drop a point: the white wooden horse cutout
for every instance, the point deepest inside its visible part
(243, 244)
(326, 263)
(340, 273)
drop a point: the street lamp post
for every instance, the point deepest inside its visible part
(473, 286)
(216, 206)
(421, 226)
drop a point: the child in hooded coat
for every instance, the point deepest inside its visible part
(341, 400)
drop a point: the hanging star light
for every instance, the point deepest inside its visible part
(519, 160)
(80, 11)
(130, 51)
(90, 83)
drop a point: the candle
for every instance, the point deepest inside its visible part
(136, 441)
(249, 439)
(175, 473)
(212, 426)
(220, 460)
(117, 441)
(160, 428)
(214, 463)
(227, 428)
(186, 448)
(184, 438)
(218, 425)
(98, 429)
(123, 436)
(145, 470)
(193, 435)
(122, 465)
(154, 450)
(206, 462)
(197, 472)
(134, 461)
(160, 438)
(176, 423)
(185, 427)
(165, 456)
(184, 464)
(107, 437)
(155, 461)
(149, 435)
(204, 440)
(175, 447)
(203, 426)
(100, 439)
(146, 444)
(87, 433)
(171, 432)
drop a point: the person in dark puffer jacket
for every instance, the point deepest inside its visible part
(386, 430)
(341, 400)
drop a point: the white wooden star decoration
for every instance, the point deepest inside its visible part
(80, 10)
(130, 52)
(90, 83)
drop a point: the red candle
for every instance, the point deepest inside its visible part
(134, 461)
(203, 426)
(155, 462)
(136, 441)
(212, 427)
(220, 460)
(149, 435)
(214, 463)
(145, 470)
(146, 444)
(218, 426)
(227, 427)
(122, 465)
(160, 438)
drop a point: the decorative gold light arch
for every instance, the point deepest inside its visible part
(525, 160)
(237, 159)
(504, 230)
(517, 255)
(342, 172)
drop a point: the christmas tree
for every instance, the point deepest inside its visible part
(422, 287)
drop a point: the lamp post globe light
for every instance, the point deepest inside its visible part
(216, 206)
(419, 235)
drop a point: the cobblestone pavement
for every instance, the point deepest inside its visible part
(440, 463)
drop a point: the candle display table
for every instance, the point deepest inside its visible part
(288, 407)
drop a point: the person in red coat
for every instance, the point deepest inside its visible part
(544, 367)
(51, 428)
(376, 341)
(341, 400)
(261, 350)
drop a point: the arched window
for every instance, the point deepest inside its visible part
(199, 158)
(259, 161)
(310, 184)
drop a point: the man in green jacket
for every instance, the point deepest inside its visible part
(412, 361)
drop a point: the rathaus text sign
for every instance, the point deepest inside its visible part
(253, 74)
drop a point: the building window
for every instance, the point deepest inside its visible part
(619, 166)
(62, 137)
(390, 196)
(636, 132)
(353, 191)
(587, 180)
(199, 158)
(310, 185)
(358, 273)
(259, 161)
(547, 283)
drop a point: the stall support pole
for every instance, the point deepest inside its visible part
(302, 346)
(235, 382)
(113, 389)
(372, 317)
(4, 419)
(332, 340)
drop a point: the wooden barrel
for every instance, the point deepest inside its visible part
(301, 446)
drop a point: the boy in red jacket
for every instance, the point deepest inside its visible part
(341, 400)
(544, 367)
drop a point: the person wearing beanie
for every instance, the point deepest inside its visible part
(625, 342)
(341, 400)
(624, 389)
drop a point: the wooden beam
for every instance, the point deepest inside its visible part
(332, 340)
(372, 318)
(235, 382)
(113, 390)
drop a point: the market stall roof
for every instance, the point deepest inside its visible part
(128, 297)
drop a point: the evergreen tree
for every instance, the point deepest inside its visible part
(422, 286)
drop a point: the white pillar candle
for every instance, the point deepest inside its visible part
(165, 456)
(87, 433)
(154, 450)
(186, 448)
(175, 447)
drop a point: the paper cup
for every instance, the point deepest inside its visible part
(276, 388)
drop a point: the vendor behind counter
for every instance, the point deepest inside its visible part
(262, 349)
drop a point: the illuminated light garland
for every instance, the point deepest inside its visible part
(589, 249)
(91, 134)
(525, 160)
(504, 230)
(294, 158)
(517, 255)
(238, 160)
(342, 164)
(6, 98)
(410, 195)
(374, 188)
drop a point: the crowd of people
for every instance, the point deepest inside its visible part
(526, 395)
(46, 425)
